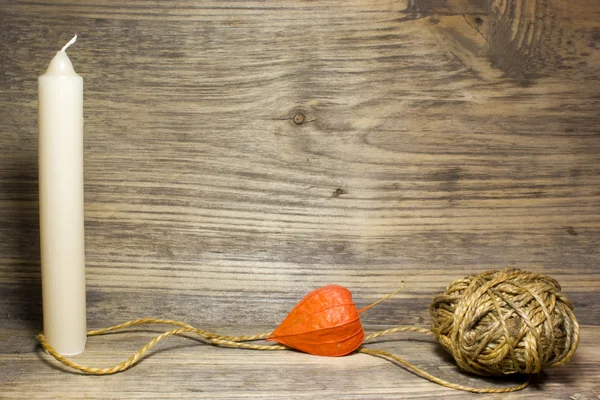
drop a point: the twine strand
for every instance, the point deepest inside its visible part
(398, 329)
(434, 379)
(240, 343)
(210, 337)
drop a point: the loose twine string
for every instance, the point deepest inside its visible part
(240, 342)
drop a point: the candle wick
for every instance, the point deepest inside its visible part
(66, 46)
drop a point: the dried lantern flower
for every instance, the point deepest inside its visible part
(325, 323)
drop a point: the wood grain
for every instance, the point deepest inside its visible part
(439, 139)
(182, 368)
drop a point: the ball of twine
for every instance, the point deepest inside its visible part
(505, 322)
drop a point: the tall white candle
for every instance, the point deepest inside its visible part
(60, 154)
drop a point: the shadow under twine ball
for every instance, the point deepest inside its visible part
(505, 322)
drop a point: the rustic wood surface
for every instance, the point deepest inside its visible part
(239, 154)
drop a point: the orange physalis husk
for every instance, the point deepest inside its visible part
(325, 323)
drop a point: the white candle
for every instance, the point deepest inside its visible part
(60, 152)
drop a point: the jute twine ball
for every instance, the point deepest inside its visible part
(505, 322)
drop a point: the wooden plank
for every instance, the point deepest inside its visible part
(183, 368)
(241, 153)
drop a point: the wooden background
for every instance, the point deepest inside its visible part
(436, 139)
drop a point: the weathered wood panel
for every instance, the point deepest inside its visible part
(239, 154)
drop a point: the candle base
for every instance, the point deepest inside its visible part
(73, 352)
(71, 348)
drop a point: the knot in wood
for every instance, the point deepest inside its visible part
(298, 118)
